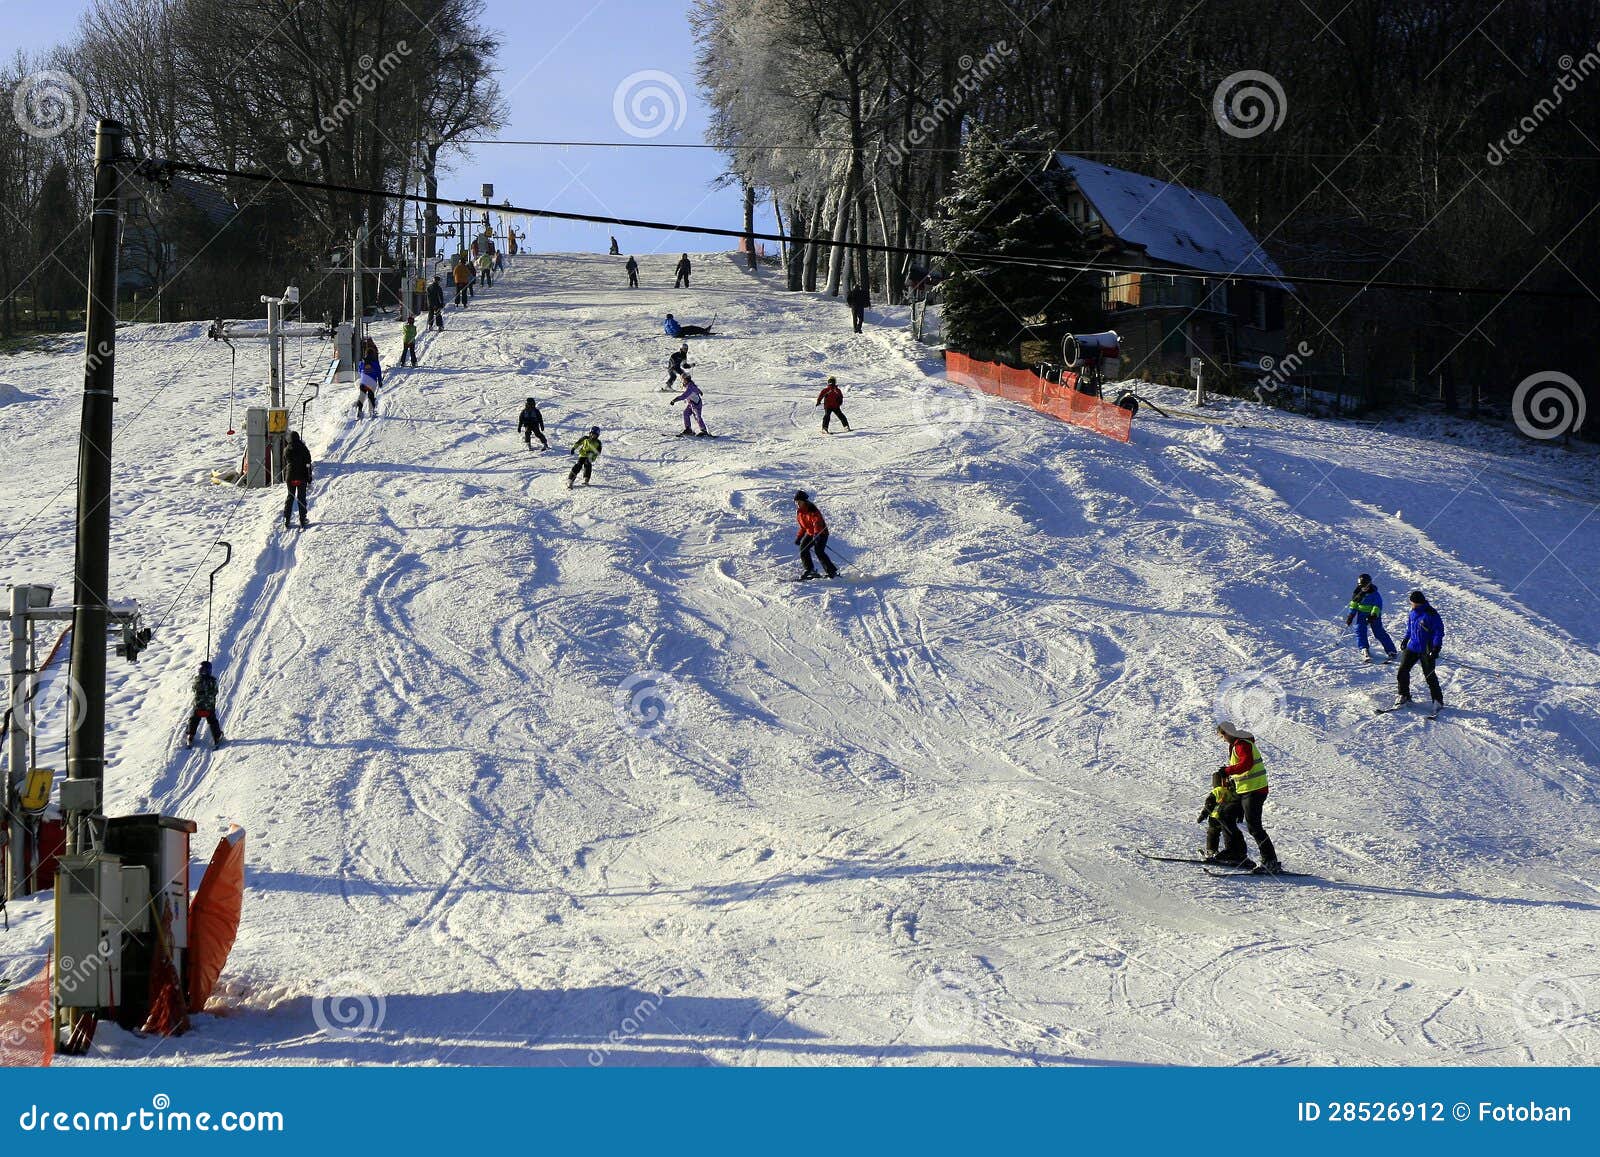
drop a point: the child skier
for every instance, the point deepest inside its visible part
(1238, 793)
(205, 706)
(693, 399)
(408, 335)
(813, 536)
(587, 448)
(681, 272)
(296, 477)
(677, 364)
(675, 328)
(831, 399)
(1423, 640)
(530, 424)
(371, 377)
(1366, 612)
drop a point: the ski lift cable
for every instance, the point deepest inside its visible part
(160, 169)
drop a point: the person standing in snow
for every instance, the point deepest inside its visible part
(408, 336)
(530, 424)
(1366, 612)
(486, 269)
(681, 281)
(435, 303)
(813, 536)
(858, 300)
(633, 273)
(678, 364)
(462, 276)
(831, 399)
(205, 707)
(1238, 793)
(370, 378)
(614, 250)
(296, 476)
(587, 448)
(693, 400)
(1424, 638)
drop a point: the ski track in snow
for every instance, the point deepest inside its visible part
(883, 821)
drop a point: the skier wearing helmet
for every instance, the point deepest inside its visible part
(813, 536)
(587, 448)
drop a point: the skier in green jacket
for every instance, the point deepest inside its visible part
(587, 448)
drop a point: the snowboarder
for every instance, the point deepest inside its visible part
(408, 336)
(692, 397)
(587, 448)
(674, 328)
(858, 300)
(1424, 638)
(462, 276)
(1238, 793)
(633, 273)
(371, 377)
(1366, 612)
(678, 364)
(831, 399)
(813, 536)
(530, 424)
(614, 250)
(435, 303)
(205, 707)
(681, 281)
(296, 476)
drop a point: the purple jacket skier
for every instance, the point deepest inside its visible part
(691, 395)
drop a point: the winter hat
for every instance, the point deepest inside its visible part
(801, 496)
(205, 666)
(1418, 598)
(531, 402)
(1233, 732)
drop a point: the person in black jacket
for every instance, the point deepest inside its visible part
(677, 364)
(435, 303)
(205, 706)
(530, 424)
(633, 273)
(296, 476)
(858, 301)
(682, 271)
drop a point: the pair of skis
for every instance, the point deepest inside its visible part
(1392, 708)
(1230, 872)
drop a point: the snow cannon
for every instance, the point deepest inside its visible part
(1090, 351)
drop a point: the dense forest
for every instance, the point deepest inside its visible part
(1432, 141)
(362, 92)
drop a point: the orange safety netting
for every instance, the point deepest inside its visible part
(1059, 400)
(27, 1032)
(214, 917)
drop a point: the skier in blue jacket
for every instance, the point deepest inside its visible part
(1366, 612)
(1424, 639)
(674, 328)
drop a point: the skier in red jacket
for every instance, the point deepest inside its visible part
(831, 399)
(813, 536)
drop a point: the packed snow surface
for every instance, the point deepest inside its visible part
(539, 776)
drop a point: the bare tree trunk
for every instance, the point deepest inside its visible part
(813, 247)
(750, 225)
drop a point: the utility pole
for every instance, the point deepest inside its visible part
(86, 724)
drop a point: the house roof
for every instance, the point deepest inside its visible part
(1170, 222)
(208, 199)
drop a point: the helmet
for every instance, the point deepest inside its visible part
(594, 429)
(801, 496)
(832, 381)
(531, 402)
(1363, 578)
(205, 666)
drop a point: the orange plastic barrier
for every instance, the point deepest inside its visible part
(214, 917)
(27, 1036)
(1058, 400)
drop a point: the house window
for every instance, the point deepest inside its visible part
(1258, 307)
(1122, 289)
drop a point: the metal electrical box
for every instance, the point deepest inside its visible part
(89, 923)
(255, 447)
(157, 910)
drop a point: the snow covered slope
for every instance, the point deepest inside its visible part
(546, 777)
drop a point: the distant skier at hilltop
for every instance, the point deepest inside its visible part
(693, 400)
(633, 273)
(681, 272)
(858, 300)
(530, 424)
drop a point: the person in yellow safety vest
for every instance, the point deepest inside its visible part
(1238, 793)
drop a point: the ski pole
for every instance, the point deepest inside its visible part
(212, 589)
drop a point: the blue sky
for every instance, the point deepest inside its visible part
(561, 67)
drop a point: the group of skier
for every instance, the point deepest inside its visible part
(1239, 787)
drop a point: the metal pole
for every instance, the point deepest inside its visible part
(86, 735)
(17, 746)
(275, 351)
